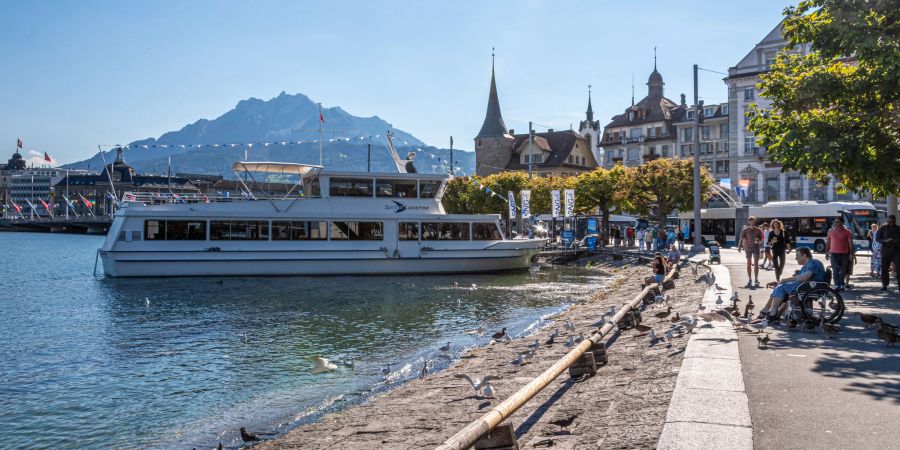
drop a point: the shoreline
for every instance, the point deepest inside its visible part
(425, 411)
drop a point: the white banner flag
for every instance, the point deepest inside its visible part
(570, 202)
(554, 203)
(526, 204)
(512, 205)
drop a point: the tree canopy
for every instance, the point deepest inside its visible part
(836, 110)
(662, 186)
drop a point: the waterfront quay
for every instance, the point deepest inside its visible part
(84, 224)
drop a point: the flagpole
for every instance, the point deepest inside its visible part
(67, 194)
(32, 196)
(321, 131)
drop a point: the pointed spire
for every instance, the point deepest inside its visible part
(655, 82)
(493, 125)
(632, 89)
(590, 110)
(654, 58)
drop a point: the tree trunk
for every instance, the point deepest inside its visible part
(604, 225)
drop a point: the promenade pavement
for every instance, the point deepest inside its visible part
(807, 391)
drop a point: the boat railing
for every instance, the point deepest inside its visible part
(163, 198)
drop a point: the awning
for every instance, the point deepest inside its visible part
(275, 167)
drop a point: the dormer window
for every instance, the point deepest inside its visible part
(709, 111)
(630, 116)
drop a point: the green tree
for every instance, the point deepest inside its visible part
(662, 186)
(601, 190)
(835, 110)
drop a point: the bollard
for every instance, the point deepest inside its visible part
(502, 438)
(586, 365)
(630, 320)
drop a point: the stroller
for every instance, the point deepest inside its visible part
(714, 256)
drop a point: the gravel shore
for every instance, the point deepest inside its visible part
(623, 406)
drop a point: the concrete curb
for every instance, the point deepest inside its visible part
(709, 407)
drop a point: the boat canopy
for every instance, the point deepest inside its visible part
(275, 167)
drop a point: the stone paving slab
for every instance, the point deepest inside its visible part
(713, 345)
(718, 407)
(711, 373)
(690, 435)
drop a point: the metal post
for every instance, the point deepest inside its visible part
(321, 158)
(891, 206)
(530, 140)
(698, 242)
(32, 194)
(67, 194)
(452, 171)
(369, 156)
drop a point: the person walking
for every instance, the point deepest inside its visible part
(640, 239)
(875, 246)
(779, 247)
(648, 236)
(680, 238)
(751, 243)
(629, 235)
(838, 250)
(767, 251)
(888, 236)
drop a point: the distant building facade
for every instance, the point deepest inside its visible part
(646, 130)
(550, 153)
(765, 180)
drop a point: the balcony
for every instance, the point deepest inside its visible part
(651, 156)
(631, 140)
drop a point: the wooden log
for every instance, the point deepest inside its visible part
(467, 437)
(501, 438)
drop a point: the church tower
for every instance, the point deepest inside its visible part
(590, 129)
(493, 145)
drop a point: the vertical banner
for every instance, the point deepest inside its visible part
(526, 203)
(512, 205)
(554, 202)
(570, 202)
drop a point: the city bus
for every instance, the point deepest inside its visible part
(806, 223)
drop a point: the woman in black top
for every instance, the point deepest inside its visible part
(779, 246)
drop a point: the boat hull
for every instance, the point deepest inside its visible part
(173, 264)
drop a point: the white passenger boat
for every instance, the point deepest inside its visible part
(331, 223)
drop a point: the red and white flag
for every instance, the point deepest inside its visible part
(19, 143)
(47, 158)
(321, 117)
(47, 207)
(18, 208)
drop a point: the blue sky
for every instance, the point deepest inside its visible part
(81, 73)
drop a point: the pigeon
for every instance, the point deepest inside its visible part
(534, 344)
(601, 322)
(528, 355)
(762, 340)
(689, 323)
(659, 299)
(564, 422)
(555, 333)
(827, 328)
(520, 360)
(653, 336)
(719, 300)
(676, 318)
(499, 335)
(702, 307)
(321, 364)
(869, 319)
(750, 302)
(669, 335)
(477, 383)
(445, 348)
(579, 338)
(247, 436)
(570, 342)
(550, 340)
(611, 312)
(664, 314)
(888, 334)
(569, 326)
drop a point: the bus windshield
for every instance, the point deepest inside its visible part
(861, 221)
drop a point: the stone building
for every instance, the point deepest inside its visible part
(750, 165)
(549, 153)
(715, 151)
(646, 130)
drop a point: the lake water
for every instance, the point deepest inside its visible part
(184, 362)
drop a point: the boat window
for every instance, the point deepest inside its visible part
(485, 232)
(298, 231)
(175, 230)
(185, 230)
(154, 230)
(409, 231)
(428, 189)
(357, 231)
(351, 187)
(445, 231)
(395, 188)
(312, 188)
(238, 230)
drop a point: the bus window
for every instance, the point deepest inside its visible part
(813, 226)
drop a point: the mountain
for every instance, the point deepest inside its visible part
(285, 118)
